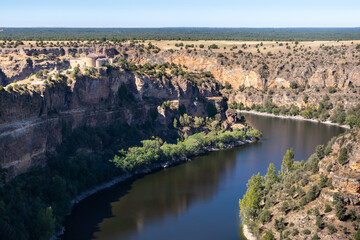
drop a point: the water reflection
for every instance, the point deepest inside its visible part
(169, 192)
(196, 200)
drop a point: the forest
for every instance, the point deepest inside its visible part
(248, 34)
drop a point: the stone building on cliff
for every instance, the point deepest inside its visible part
(91, 60)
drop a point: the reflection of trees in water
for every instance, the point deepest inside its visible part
(167, 192)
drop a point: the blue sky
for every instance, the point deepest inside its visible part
(184, 13)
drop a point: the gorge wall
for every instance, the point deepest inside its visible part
(34, 119)
(33, 124)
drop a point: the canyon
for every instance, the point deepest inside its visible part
(35, 115)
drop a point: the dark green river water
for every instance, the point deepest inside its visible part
(198, 199)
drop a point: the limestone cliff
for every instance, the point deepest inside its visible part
(33, 123)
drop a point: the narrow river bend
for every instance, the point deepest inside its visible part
(198, 199)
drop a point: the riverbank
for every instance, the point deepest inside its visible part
(292, 117)
(152, 168)
(248, 235)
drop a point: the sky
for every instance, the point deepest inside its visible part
(184, 13)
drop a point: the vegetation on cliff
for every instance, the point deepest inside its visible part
(303, 198)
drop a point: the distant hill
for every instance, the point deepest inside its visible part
(263, 34)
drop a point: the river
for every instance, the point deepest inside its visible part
(198, 199)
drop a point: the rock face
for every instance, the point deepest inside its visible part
(263, 76)
(345, 176)
(32, 124)
(313, 68)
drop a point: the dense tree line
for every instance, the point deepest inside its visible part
(156, 151)
(291, 34)
(323, 112)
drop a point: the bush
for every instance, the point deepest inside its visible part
(293, 85)
(265, 216)
(268, 235)
(295, 232)
(284, 207)
(357, 234)
(315, 237)
(279, 224)
(332, 229)
(213, 46)
(307, 232)
(327, 208)
(332, 90)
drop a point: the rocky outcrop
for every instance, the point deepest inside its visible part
(261, 76)
(33, 124)
(345, 175)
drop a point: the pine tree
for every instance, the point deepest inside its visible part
(288, 161)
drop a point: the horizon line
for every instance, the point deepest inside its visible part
(185, 27)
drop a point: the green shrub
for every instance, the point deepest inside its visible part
(327, 208)
(265, 216)
(332, 229)
(307, 232)
(268, 235)
(357, 234)
(315, 237)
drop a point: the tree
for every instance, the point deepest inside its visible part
(340, 211)
(249, 205)
(279, 224)
(44, 224)
(343, 155)
(319, 222)
(288, 161)
(270, 177)
(320, 151)
(312, 193)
